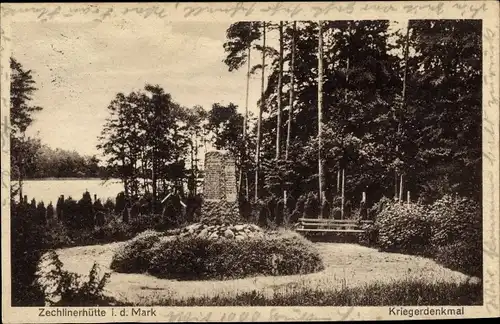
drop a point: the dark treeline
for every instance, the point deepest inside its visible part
(398, 110)
(46, 162)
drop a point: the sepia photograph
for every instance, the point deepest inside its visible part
(246, 163)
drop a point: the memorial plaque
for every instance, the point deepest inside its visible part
(230, 179)
(220, 177)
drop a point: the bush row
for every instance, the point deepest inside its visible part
(449, 230)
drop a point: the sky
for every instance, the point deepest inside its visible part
(80, 67)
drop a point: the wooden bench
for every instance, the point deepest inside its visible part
(318, 225)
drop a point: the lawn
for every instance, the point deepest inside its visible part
(347, 266)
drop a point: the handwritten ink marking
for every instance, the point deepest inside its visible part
(245, 316)
(466, 8)
(147, 12)
(45, 14)
(345, 315)
(5, 134)
(188, 317)
(378, 7)
(347, 8)
(278, 7)
(233, 10)
(491, 296)
(490, 247)
(5, 175)
(413, 9)
(42, 12)
(295, 315)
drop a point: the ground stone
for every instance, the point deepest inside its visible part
(229, 234)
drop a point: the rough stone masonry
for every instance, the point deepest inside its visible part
(220, 177)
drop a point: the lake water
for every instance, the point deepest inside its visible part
(50, 190)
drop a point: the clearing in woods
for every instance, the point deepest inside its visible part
(346, 265)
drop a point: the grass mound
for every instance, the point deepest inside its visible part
(133, 256)
(202, 257)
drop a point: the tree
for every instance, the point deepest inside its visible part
(420, 79)
(261, 108)
(22, 88)
(146, 141)
(280, 88)
(321, 175)
(226, 124)
(292, 86)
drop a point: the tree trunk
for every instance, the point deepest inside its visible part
(321, 176)
(401, 110)
(291, 99)
(338, 181)
(261, 108)
(196, 162)
(401, 189)
(245, 122)
(343, 197)
(280, 85)
(292, 88)
(20, 185)
(153, 179)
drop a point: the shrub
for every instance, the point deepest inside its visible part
(71, 213)
(63, 288)
(456, 227)
(196, 258)
(403, 228)
(370, 236)
(60, 207)
(312, 206)
(112, 231)
(26, 250)
(455, 219)
(325, 209)
(56, 235)
(363, 211)
(109, 205)
(378, 207)
(336, 213)
(461, 256)
(50, 211)
(41, 213)
(133, 256)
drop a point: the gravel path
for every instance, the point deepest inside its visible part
(345, 265)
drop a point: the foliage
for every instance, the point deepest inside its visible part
(146, 140)
(373, 128)
(194, 257)
(240, 36)
(134, 255)
(22, 87)
(370, 235)
(65, 288)
(403, 227)
(456, 225)
(58, 163)
(455, 219)
(27, 249)
(461, 256)
(378, 207)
